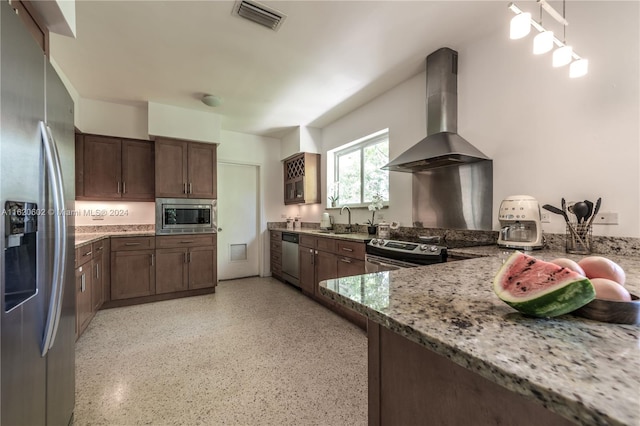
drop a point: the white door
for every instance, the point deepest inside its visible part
(238, 221)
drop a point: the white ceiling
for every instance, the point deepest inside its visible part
(328, 58)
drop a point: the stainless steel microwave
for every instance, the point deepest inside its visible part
(185, 216)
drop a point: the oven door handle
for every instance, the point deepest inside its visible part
(387, 265)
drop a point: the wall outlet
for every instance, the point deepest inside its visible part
(606, 218)
(544, 218)
(283, 216)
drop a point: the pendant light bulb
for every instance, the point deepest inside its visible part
(520, 26)
(579, 68)
(543, 42)
(562, 56)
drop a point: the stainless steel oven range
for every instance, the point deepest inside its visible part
(387, 255)
(185, 216)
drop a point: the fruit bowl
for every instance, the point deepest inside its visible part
(612, 311)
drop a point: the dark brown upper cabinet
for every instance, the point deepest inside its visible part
(185, 169)
(302, 179)
(110, 168)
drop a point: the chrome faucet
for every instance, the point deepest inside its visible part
(348, 210)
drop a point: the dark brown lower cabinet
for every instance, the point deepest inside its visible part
(412, 385)
(186, 262)
(171, 270)
(203, 272)
(323, 258)
(307, 278)
(83, 298)
(326, 269)
(133, 274)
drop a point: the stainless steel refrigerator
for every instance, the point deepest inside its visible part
(37, 191)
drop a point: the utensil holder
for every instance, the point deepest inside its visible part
(579, 238)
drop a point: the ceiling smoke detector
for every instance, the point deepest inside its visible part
(259, 13)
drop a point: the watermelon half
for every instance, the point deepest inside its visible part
(539, 288)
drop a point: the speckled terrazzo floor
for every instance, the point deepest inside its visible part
(257, 352)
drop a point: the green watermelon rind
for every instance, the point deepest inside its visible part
(560, 299)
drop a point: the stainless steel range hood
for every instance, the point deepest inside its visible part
(442, 146)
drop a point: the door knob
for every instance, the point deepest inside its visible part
(219, 229)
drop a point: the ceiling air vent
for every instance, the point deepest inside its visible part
(259, 13)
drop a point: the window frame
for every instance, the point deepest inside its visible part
(359, 145)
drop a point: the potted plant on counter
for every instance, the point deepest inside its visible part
(376, 204)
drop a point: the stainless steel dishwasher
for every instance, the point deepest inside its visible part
(290, 259)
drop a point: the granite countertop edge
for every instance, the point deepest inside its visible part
(569, 406)
(83, 239)
(353, 236)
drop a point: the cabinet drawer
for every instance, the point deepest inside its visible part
(276, 247)
(133, 243)
(178, 241)
(350, 249)
(97, 249)
(83, 254)
(307, 241)
(276, 258)
(326, 244)
(275, 235)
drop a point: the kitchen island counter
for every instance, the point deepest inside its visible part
(583, 370)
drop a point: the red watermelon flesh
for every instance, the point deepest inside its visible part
(540, 288)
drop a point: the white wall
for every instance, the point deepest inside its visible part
(549, 136)
(112, 119)
(183, 123)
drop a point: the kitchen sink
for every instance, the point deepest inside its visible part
(335, 232)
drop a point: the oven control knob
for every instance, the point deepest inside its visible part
(424, 247)
(374, 241)
(433, 249)
(380, 241)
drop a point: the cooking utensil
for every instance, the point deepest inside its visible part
(590, 211)
(564, 206)
(573, 231)
(556, 210)
(580, 209)
(596, 209)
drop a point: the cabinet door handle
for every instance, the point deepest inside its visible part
(186, 241)
(190, 188)
(118, 187)
(184, 255)
(97, 271)
(189, 257)
(347, 249)
(87, 253)
(124, 187)
(99, 248)
(184, 187)
(344, 260)
(153, 259)
(83, 284)
(131, 244)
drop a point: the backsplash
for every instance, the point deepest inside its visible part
(102, 213)
(622, 246)
(92, 229)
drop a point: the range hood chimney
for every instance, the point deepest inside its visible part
(442, 146)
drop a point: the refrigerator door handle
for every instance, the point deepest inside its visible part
(54, 168)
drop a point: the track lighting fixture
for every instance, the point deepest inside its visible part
(545, 40)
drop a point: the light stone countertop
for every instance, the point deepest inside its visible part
(584, 370)
(351, 236)
(84, 238)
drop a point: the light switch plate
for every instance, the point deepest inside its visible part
(606, 218)
(544, 218)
